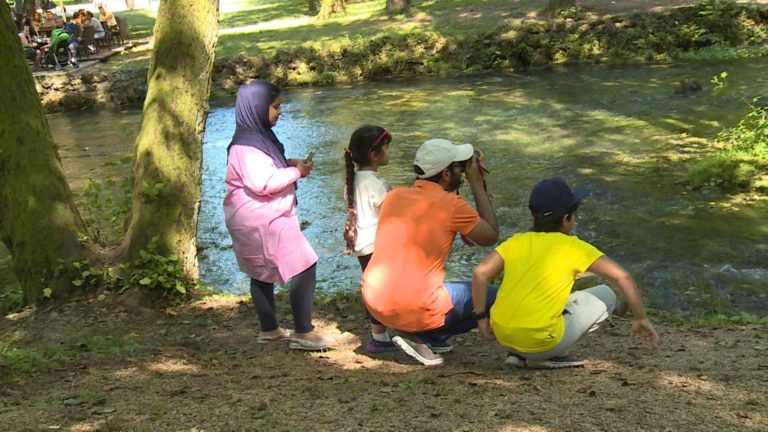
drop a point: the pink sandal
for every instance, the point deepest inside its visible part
(262, 339)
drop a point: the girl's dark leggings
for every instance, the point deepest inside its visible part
(364, 260)
(302, 293)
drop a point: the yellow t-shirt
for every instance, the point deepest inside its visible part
(539, 270)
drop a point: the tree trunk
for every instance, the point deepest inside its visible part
(167, 162)
(38, 220)
(330, 7)
(313, 7)
(553, 7)
(397, 6)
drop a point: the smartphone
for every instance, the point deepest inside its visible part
(310, 155)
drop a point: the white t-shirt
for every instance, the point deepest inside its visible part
(369, 194)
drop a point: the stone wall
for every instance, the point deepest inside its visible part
(74, 90)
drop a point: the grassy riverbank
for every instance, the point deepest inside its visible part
(106, 364)
(279, 41)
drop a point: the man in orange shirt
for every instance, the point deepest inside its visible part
(404, 284)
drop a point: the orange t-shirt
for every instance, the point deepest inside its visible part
(403, 283)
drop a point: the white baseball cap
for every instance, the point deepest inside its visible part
(436, 154)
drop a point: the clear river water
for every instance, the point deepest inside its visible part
(618, 131)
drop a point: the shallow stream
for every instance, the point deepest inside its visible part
(620, 131)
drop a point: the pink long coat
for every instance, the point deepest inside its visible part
(260, 213)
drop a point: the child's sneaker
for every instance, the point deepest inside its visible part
(555, 362)
(515, 360)
(374, 346)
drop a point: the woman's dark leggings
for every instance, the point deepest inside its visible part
(302, 292)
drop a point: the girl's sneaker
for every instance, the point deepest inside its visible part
(440, 347)
(375, 347)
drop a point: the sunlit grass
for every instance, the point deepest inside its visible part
(256, 26)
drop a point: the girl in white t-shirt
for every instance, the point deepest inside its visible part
(368, 150)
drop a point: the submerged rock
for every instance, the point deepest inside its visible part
(687, 86)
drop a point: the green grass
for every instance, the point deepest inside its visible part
(742, 161)
(17, 363)
(141, 22)
(258, 26)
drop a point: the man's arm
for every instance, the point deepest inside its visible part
(486, 232)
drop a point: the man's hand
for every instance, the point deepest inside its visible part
(643, 328)
(480, 156)
(486, 332)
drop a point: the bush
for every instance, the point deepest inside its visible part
(743, 160)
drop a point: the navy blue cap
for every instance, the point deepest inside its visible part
(554, 196)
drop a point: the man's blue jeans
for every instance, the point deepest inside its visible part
(459, 319)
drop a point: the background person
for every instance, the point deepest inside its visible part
(404, 285)
(75, 30)
(98, 30)
(32, 51)
(260, 214)
(108, 18)
(36, 22)
(365, 191)
(535, 315)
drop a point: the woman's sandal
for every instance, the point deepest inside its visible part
(321, 344)
(262, 338)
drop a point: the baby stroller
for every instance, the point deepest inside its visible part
(58, 54)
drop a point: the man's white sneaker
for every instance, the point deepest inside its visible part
(419, 351)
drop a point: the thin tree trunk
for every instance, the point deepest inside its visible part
(397, 6)
(29, 7)
(312, 7)
(166, 190)
(38, 220)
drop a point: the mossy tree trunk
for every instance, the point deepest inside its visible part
(39, 223)
(553, 7)
(331, 7)
(397, 6)
(168, 149)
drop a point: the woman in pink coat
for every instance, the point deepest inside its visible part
(260, 213)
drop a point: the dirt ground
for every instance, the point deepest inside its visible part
(100, 365)
(198, 368)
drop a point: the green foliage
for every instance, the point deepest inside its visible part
(720, 53)
(157, 273)
(743, 160)
(10, 299)
(89, 276)
(18, 363)
(105, 204)
(15, 361)
(116, 345)
(718, 81)
(152, 191)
